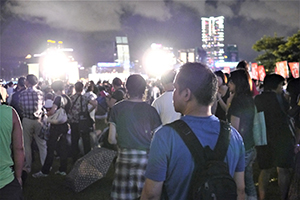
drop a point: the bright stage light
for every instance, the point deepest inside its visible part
(158, 60)
(55, 64)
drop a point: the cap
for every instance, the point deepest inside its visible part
(48, 103)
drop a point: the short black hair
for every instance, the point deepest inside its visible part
(271, 81)
(21, 81)
(78, 87)
(57, 86)
(10, 84)
(32, 79)
(201, 81)
(117, 81)
(136, 85)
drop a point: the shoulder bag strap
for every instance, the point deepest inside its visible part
(195, 147)
(74, 103)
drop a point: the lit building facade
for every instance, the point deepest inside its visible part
(192, 55)
(213, 38)
(122, 53)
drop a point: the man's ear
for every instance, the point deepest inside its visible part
(187, 94)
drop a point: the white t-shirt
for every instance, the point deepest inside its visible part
(164, 106)
(155, 92)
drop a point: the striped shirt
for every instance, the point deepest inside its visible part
(31, 103)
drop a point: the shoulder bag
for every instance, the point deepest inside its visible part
(59, 117)
(259, 129)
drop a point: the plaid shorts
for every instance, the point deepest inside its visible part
(129, 175)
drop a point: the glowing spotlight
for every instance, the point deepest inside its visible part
(54, 64)
(157, 60)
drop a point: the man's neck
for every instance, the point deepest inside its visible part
(168, 87)
(58, 93)
(198, 111)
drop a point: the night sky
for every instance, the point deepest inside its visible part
(90, 27)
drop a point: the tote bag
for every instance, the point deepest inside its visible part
(59, 117)
(259, 129)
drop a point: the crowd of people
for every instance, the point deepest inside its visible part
(153, 162)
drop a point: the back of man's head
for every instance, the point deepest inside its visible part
(57, 86)
(21, 81)
(271, 81)
(32, 79)
(10, 84)
(201, 81)
(78, 87)
(168, 77)
(117, 82)
(136, 85)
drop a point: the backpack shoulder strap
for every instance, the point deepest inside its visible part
(195, 147)
(190, 140)
(222, 144)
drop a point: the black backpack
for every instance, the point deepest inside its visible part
(211, 178)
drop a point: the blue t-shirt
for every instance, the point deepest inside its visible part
(171, 161)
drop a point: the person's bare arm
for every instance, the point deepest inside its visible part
(240, 183)
(110, 101)
(94, 104)
(18, 148)
(221, 102)
(152, 190)
(235, 122)
(112, 135)
(229, 100)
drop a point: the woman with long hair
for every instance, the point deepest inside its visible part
(240, 115)
(222, 95)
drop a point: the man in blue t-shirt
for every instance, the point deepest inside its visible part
(170, 164)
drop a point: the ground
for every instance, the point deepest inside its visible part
(54, 186)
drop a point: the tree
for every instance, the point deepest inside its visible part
(269, 46)
(290, 51)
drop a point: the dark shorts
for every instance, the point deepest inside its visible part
(280, 154)
(11, 191)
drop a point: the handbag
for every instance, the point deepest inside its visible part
(59, 117)
(85, 121)
(259, 128)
